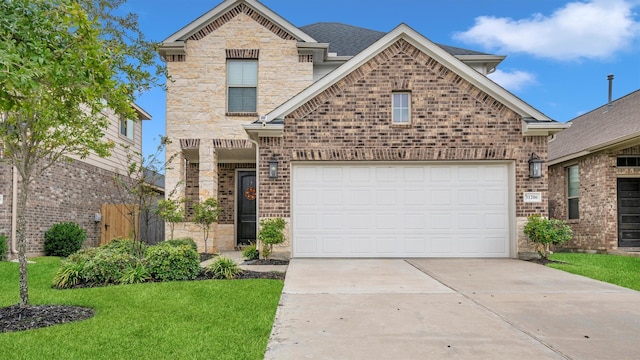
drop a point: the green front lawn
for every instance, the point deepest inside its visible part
(212, 319)
(614, 269)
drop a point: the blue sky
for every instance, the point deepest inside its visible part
(559, 53)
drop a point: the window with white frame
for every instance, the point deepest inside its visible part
(242, 82)
(401, 104)
(126, 128)
(573, 185)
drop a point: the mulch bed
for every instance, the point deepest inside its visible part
(542, 261)
(266, 262)
(15, 318)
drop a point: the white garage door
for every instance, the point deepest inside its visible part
(409, 210)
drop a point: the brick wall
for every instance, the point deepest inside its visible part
(226, 191)
(597, 227)
(451, 120)
(5, 208)
(192, 187)
(68, 191)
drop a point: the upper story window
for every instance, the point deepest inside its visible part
(242, 82)
(628, 161)
(126, 129)
(573, 185)
(401, 104)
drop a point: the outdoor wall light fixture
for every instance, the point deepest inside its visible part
(535, 166)
(273, 168)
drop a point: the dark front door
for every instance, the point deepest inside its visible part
(629, 212)
(246, 200)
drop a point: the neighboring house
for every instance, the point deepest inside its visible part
(70, 190)
(369, 144)
(594, 177)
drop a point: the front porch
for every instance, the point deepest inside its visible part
(223, 169)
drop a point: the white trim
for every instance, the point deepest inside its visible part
(543, 128)
(227, 5)
(619, 143)
(425, 45)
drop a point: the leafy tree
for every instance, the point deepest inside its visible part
(545, 232)
(206, 213)
(271, 233)
(64, 64)
(171, 211)
(137, 187)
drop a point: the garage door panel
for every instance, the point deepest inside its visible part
(400, 210)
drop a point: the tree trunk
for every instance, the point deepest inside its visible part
(22, 242)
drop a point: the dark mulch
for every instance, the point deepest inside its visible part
(15, 318)
(248, 274)
(266, 262)
(205, 256)
(543, 261)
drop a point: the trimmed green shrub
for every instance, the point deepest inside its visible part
(3, 247)
(183, 241)
(167, 262)
(108, 266)
(63, 239)
(126, 246)
(223, 268)
(271, 233)
(545, 232)
(250, 252)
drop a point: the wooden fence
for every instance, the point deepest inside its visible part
(117, 222)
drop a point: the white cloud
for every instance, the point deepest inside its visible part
(594, 29)
(514, 80)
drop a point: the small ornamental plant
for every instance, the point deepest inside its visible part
(206, 213)
(271, 233)
(544, 232)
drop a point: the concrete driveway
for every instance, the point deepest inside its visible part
(450, 309)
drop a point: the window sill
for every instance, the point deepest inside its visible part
(241, 114)
(126, 138)
(401, 125)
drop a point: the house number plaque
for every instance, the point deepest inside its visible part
(532, 197)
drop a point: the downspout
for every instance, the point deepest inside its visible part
(14, 212)
(258, 192)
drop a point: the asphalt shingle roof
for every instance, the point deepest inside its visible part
(598, 127)
(348, 40)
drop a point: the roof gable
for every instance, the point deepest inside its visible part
(227, 10)
(607, 126)
(432, 50)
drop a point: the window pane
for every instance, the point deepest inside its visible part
(130, 127)
(573, 209)
(400, 107)
(123, 127)
(574, 181)
(242, 72)
(242, 100)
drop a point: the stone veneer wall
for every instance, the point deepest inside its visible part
(451, 120)
(196, 96)
(196, 101)
(597, 227)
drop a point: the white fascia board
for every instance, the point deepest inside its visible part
(142, 113)
(425, 45)
(227, 5)
(543, 128)
(264, 130)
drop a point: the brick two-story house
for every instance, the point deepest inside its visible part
(369, 144)
(71, 190)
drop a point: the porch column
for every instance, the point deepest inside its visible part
(208, 171)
